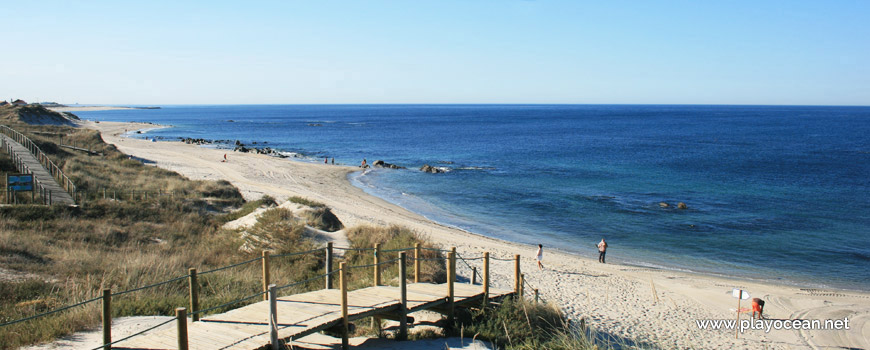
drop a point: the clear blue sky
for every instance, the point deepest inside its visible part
(658, 52)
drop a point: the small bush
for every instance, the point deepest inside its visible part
(306, 201)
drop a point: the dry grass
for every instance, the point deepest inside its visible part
(75, 252)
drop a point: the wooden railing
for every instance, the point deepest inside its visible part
(45, 195)
(52, 168)
(269, 289)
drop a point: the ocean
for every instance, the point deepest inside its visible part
(774, 193)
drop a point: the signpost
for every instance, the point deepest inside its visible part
(18, 182)
(740, 294)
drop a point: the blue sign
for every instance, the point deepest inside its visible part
(19, 182)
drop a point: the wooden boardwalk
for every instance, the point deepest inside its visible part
(58, 194)
(304, 314)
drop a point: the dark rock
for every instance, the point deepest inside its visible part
(682, 205)
(426, 168)
(664, 205)
(382, 164)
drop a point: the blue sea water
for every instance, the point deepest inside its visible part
(773, 192)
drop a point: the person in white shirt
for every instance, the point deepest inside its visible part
(602, 249)
(539, 256)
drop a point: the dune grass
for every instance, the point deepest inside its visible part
(58, 256)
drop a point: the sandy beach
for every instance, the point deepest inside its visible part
(637, 304)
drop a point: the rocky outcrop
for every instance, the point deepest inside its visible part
(682, 205)
(382, 164)
(664, 205)
(426, 168)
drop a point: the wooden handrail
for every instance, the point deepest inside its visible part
(50, 166)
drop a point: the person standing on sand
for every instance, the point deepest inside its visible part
(333, 161)
(364, 165)
(225, 157)
(602, 249)
(539, 256)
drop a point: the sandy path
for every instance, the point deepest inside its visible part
(642, 304)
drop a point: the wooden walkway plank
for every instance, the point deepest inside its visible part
(302, 314)
(58, 194)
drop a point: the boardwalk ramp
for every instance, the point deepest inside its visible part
(26, 162)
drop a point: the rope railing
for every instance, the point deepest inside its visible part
(307, 280)
(151, 285)
(435, 249)
(135, 334)
(537, 296)
(469, 266)
(50, 312)
(430, 259)
(227, 304)
(499, 259)
(397, 250)
(355, 249)
(192, 276)
(297, 253)
(232, 266)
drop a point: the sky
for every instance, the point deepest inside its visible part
(473, 51)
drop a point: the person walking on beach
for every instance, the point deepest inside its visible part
(602, 249)
(225, 157)
(539, 256)
(333, 161)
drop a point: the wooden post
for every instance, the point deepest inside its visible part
(536, 295)
(273, 317)
(737, 328)
(107, 318)
(517, 274)
(377, 276)
(328, 265)
(417, 257)
(376, 321)
(266, 280)
(194, 294)
(474, 275)
(485, 278)
(181, 320)
(522, 284)
(451, 276)
(342, 276)
(403, 306)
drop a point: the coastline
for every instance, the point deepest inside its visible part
(639, 303)
(91, 108)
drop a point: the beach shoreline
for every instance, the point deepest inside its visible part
(632, 302)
